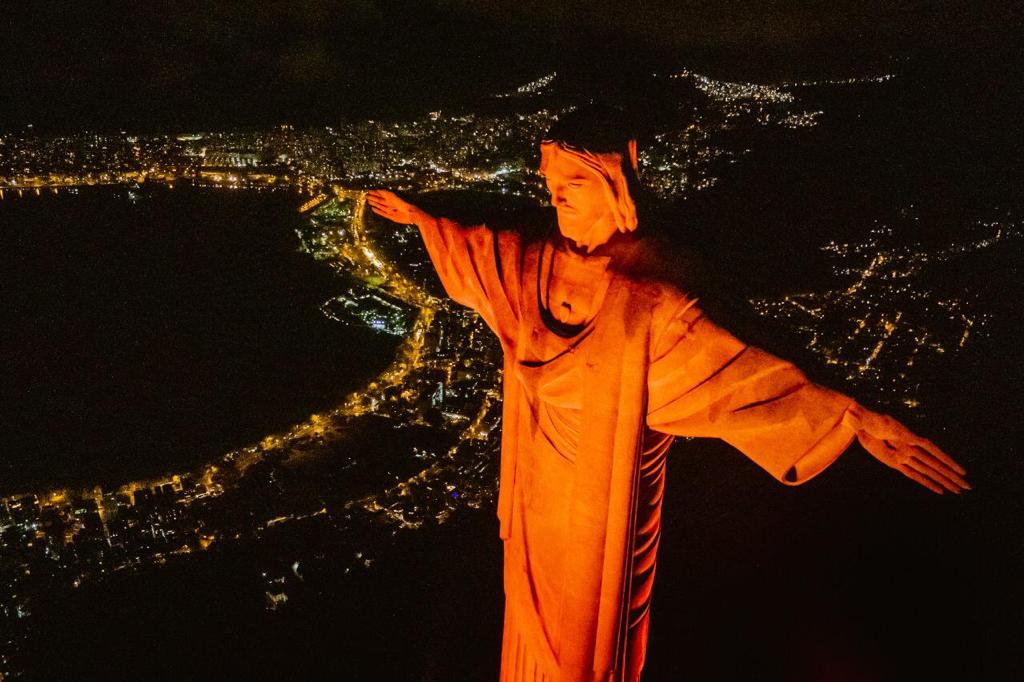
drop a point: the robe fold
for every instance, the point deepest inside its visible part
(586, 424)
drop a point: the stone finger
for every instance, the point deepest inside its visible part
(913, 475)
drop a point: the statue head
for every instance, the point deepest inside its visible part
(589, 162)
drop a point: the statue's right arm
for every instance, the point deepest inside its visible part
(476, 266)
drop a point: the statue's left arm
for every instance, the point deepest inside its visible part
(704, 382)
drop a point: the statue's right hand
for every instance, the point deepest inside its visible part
(388, 205)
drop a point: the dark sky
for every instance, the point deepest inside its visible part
(180, 63)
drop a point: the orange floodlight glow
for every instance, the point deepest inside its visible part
(603, 366)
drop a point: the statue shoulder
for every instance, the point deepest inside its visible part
(663, 267)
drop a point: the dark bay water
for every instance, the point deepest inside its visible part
(150, 330)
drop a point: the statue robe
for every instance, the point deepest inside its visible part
(586, 424)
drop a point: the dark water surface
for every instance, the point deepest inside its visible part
(150, 330)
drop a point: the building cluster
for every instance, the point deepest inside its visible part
(53, 542)
(495, 151)
(535, 87)
(887, 322)
(428, 152)
(371, 308)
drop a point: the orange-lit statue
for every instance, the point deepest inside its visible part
(604, 364)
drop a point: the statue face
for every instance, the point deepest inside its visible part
(581, 197)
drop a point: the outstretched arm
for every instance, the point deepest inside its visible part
(477, 266)
(705, 382)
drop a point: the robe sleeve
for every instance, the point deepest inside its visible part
(704, 382)
(479, 268)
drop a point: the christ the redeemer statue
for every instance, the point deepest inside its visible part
(604, 364)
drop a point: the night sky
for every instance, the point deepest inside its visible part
(175, 64)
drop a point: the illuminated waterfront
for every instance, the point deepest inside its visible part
(416, 446)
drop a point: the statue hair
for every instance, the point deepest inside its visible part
(604, 128)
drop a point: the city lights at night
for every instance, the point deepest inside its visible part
(248, 429)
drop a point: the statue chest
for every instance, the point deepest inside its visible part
(573, 286)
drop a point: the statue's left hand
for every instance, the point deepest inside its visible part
(917, 458)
